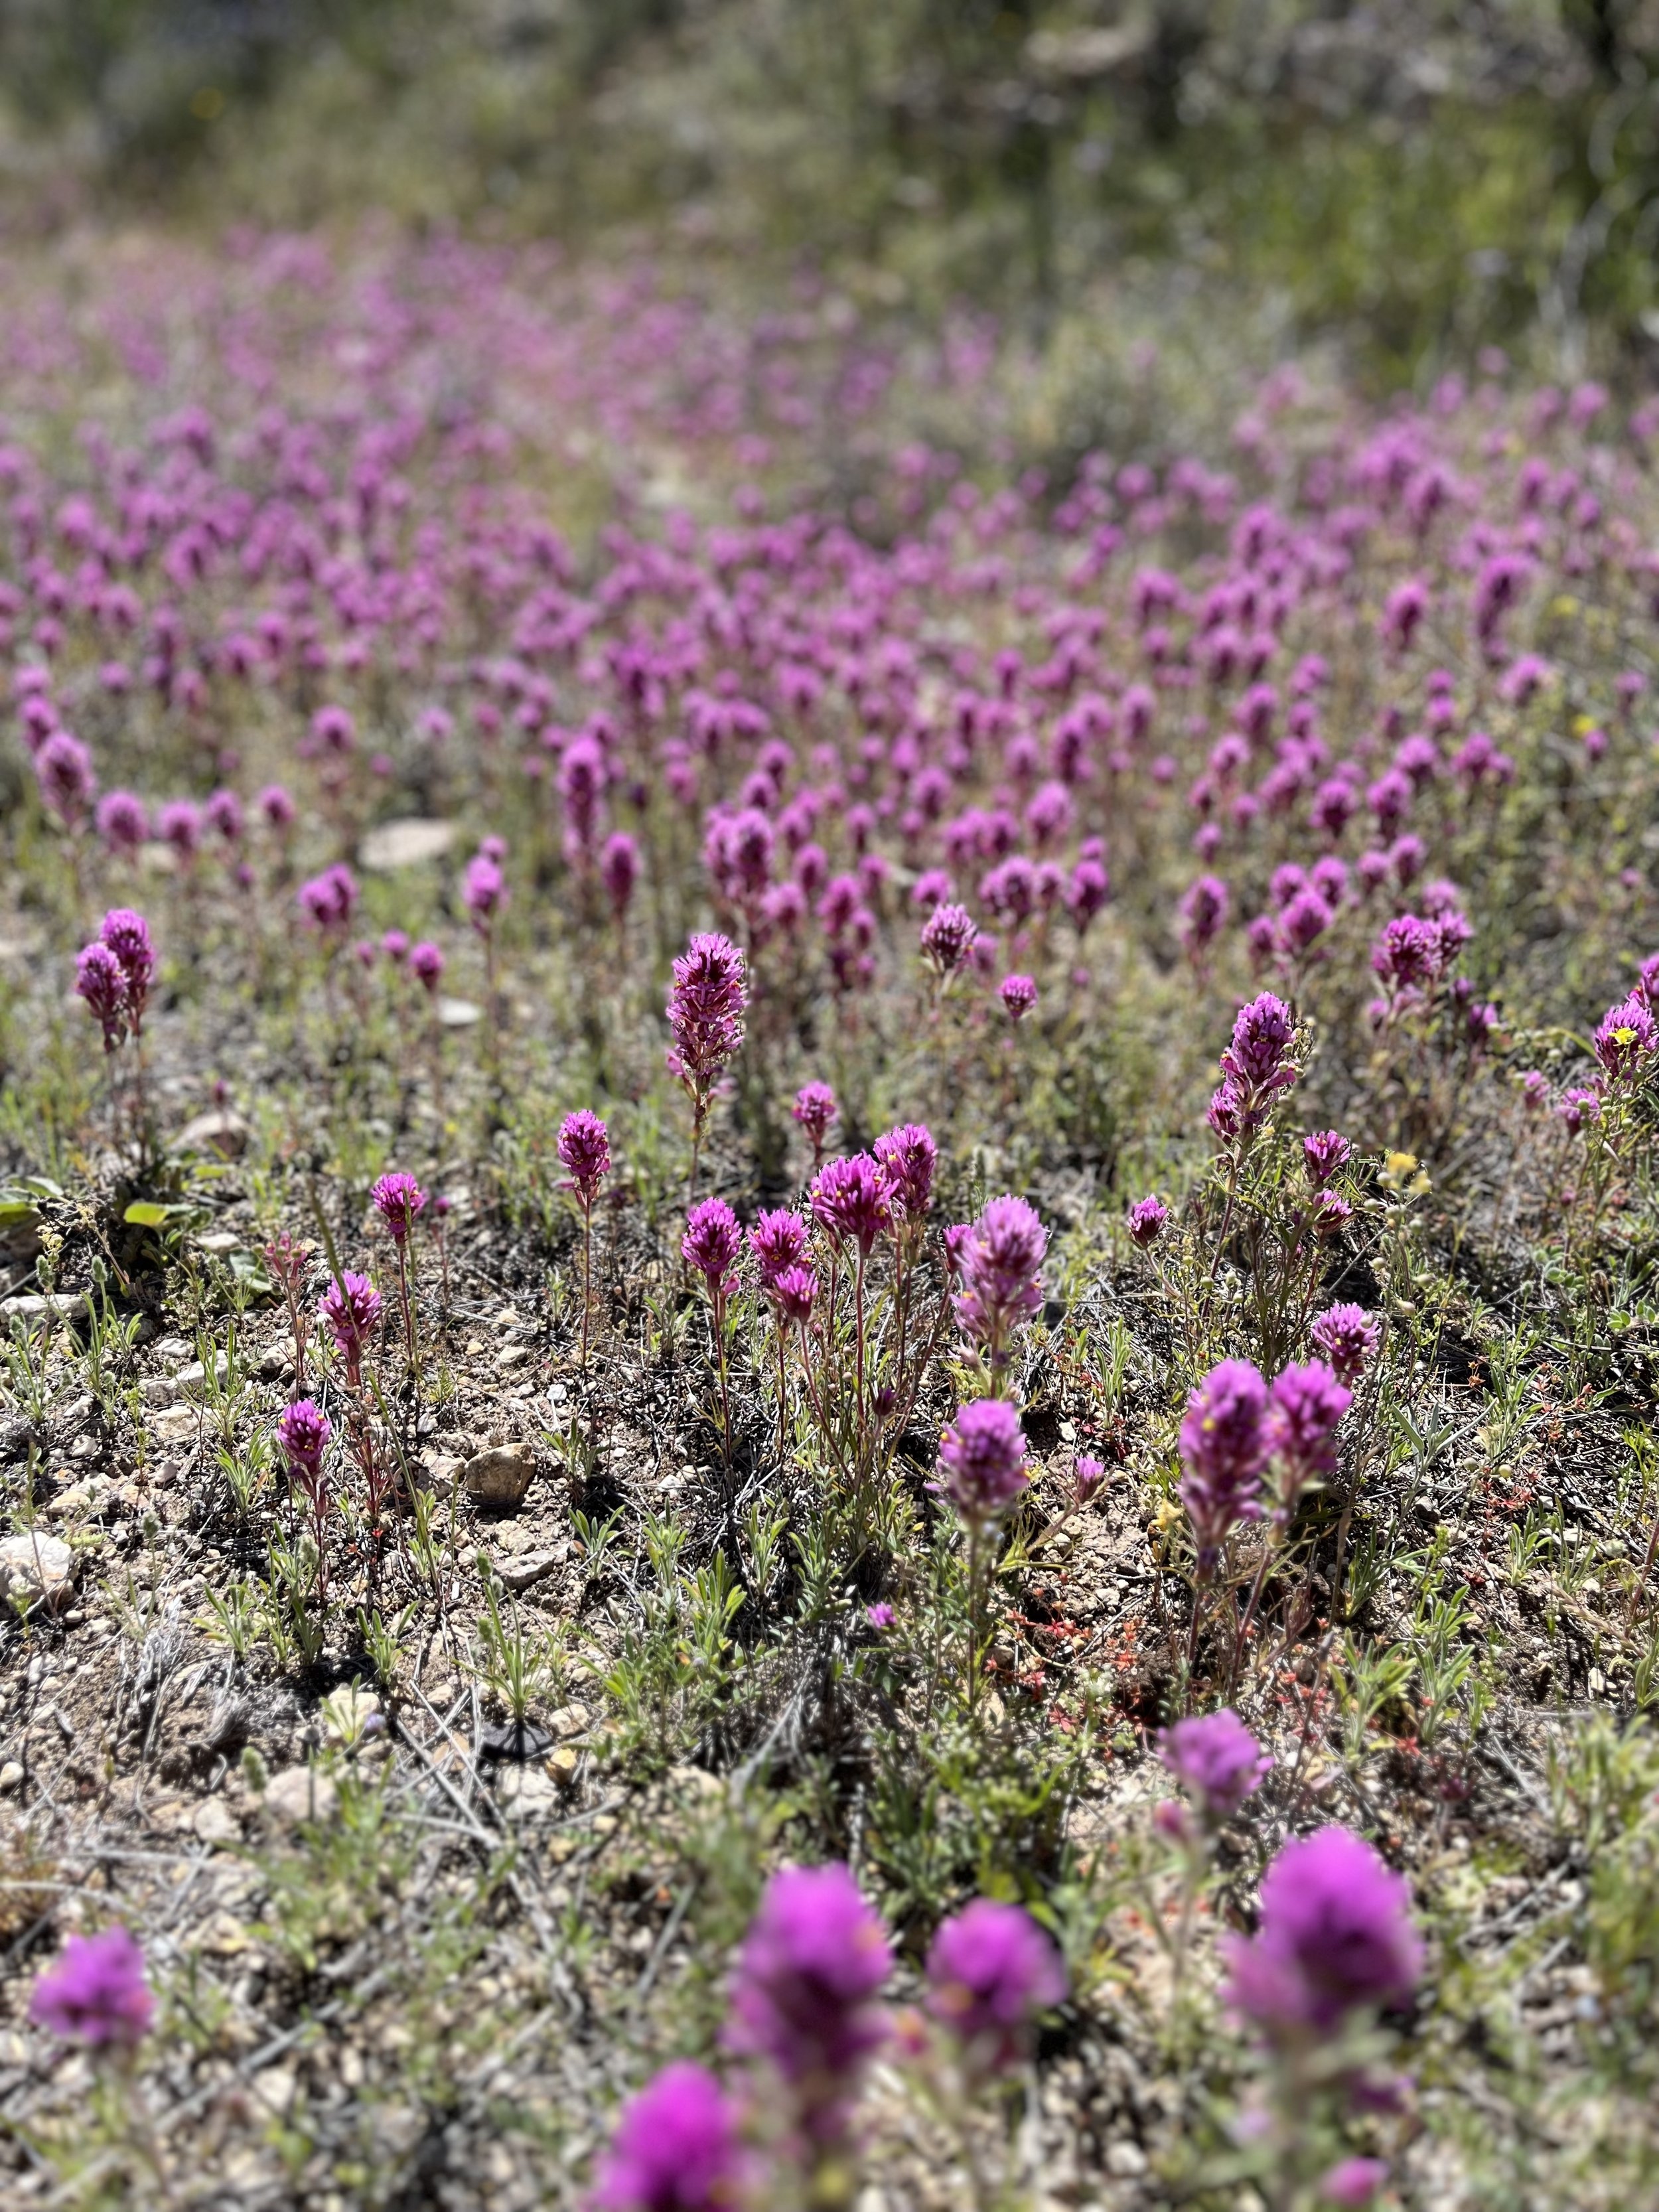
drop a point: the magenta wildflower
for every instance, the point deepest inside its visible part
(778, 1241)
(982, 1456)
(675, 2148)
(795, 1291)
(397, 1200)
(585, 1153)
(349, 1310)
(990, 1970)
(1575, 1108)
(100, 980)
(1087, 1475)
(1216, 1760)
(64, 770)
(426, 965)
(1626, 1039)
(127, 935)
(1324, 1154)
(1148, 1219)
(329, 900)
(908, 1156)
(1000, 1259)
(1353, 2182)
(1257, 1063)
(852, 1198)
(804, 1996)
(483, 891)
(619, 869)
(705, 1011)
(1335, 1938)
(1225, 1446)
(712, 1242)
(123, 823)
(1203, 910)
(304, 1432)
(1018, 994)
(96, 1993)
(947, 938)
(1348, 1336)
(815, 1111)
(1308, 1403)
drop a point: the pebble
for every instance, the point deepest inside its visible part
(405, 843)
(34, 1310)
(523, 1574)
(498, 1477)
(442, 1468)
(215, 1823)
(32, 1566)
(223, 1133)
(300, 1793)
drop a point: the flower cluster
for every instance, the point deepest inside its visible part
(114, 973)
(705, 1012)
(999, 1259)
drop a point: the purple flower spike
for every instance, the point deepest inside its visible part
(1257, 1063)
(349, 1310)
(815, 1111)
(1626, 1040)
(1018, 994)
(910, 1156)
(619, 869)
(1335, 1938)
(803, 1997)
(796, 1292)
(778, 1241)
(1325, 1155)
(1308, 1403)
(947, 938)
(1000, 1259)
(483, 892)
(304, 1432)
(1216, 1760)
(1203, 911)
(1148, 1219)
(990, 1970)
(1225, 1446)
(1348, 1336)
(705, 1011)
(127, 935)
(1353, 2182)
(982, 1456)
(96, 1994)
(427, 964)
(712, 1242)
(585, 1153)
(675, 2148)
(100, 981)
(853, 1200)
(397, 1200)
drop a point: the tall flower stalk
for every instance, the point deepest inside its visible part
(585, 1154)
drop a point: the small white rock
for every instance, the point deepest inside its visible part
(33, 1566)
(300, 1793)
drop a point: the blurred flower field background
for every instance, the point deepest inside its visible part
(829, 1062)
